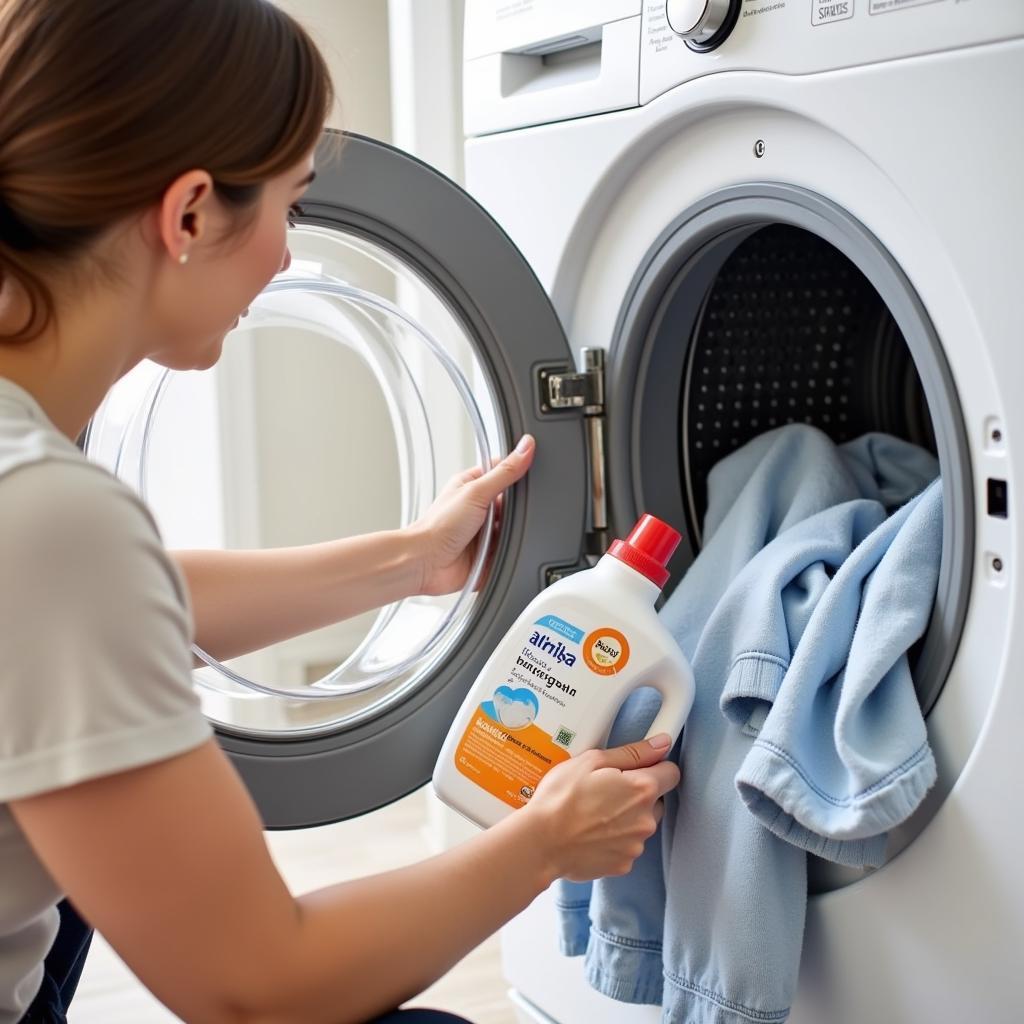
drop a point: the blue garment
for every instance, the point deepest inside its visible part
(796, 618)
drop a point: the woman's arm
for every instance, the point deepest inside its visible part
(168, 861)
(245, 600)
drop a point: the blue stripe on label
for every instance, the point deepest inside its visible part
(562, 628)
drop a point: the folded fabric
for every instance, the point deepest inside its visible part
(796, 618)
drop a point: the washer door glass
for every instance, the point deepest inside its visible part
(333, 410)
(403, 346)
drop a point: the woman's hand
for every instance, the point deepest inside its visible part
(594, 812)
(447, 536)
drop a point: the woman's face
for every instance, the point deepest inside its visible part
(200, 301)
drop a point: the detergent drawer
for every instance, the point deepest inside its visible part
(537, 61)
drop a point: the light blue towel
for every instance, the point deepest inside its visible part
(796, 618)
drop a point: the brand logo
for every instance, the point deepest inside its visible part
(606, 651)
(556, 649)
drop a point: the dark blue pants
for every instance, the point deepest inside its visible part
(61, 970)
(64, 963)
(420, 1017)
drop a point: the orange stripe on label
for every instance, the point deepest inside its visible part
(508, 763)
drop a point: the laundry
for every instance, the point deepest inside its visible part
(817, 574)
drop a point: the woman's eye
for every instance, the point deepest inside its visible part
(294, 212)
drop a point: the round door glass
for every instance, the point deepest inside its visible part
(341, 405)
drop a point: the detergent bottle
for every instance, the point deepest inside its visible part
(553, 686)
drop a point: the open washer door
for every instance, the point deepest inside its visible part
(406, 342)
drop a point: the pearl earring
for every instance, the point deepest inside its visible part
(183, 258)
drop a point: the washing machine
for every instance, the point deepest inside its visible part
(776, 211)
(685, 224)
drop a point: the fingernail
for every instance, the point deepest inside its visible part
(524, 444)
(661, 741)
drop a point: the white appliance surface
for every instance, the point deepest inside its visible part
(897, 114)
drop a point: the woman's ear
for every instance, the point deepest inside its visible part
(184, 213)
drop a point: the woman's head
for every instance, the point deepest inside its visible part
(185, 127)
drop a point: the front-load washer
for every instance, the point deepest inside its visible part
(800, 211)
(764, 212)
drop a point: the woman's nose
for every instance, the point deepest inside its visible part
(287, 261)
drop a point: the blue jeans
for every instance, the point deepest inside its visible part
(63, 967)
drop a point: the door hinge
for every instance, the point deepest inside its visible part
(583, 389)
(576, 389)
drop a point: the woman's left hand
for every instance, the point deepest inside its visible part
(448, 534)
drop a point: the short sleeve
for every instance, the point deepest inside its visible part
(95, 632)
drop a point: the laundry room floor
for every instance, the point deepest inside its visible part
(308, 859)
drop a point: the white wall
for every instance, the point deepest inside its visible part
(426, 81)
(353, 36)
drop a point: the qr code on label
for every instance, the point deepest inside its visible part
(564, 736)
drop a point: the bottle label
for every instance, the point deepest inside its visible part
(538, 706)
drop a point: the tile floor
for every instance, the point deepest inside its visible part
(389, 838)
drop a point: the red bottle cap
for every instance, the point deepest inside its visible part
(648, 548)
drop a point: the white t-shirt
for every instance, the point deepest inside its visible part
(95, 668)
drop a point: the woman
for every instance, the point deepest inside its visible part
(150, 154)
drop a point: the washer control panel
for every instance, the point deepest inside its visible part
(686, 39)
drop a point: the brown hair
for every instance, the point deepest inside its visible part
(103, 103)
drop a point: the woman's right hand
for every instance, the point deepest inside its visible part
(594, 812)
